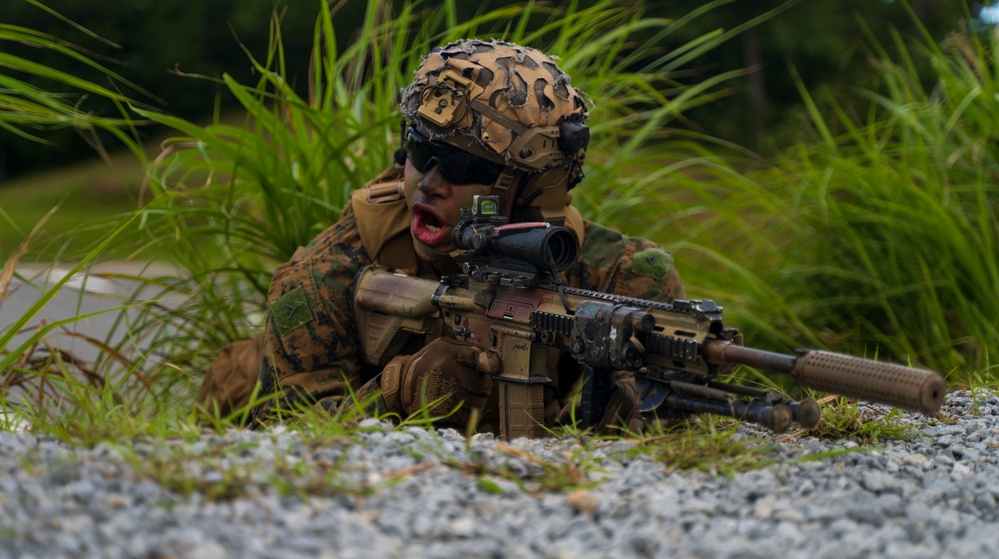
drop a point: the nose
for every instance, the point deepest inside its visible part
(433, 183)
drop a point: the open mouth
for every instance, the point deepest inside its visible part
(429, 228)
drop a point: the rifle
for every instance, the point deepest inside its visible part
(509, 300)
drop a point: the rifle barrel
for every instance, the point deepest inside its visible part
(885, 383)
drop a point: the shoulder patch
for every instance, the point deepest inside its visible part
(291, 310)
(653, 263)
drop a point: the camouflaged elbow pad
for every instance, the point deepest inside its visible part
(230, 379)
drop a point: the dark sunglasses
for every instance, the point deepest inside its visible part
(458, 167)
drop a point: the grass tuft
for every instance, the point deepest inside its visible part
(708, 444)
(844, 418)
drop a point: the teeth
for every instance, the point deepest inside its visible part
(433, 229)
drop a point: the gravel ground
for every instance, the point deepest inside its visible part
(414, 493)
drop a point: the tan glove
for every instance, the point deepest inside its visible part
(623, 408)
(445, 370)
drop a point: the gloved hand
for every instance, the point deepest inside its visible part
(621, 415)
(454, 371)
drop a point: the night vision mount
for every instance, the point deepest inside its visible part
(511, 254)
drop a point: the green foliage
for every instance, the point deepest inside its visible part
(843, 418)
(877, 239)
(880, 238)
(250, 195)
(163, 39)
(823, 41)
(231, 202)
(896, 219)
(85, 195)
(705, 443)
(35, 368)
(29, 112)
(25, 108)
(153, 43)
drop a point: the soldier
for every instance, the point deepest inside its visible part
(480, 118)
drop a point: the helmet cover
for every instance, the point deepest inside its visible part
(508, 103)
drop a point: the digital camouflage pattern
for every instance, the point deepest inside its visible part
(312, 355)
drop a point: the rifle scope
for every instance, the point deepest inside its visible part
(539, 244)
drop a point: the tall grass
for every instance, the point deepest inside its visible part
(29, 111)
(232, 202)
(26, 109)
(228, 203)
(34, 366)
(880, 238)
(902, 211)
(877, 240)
(255, 193)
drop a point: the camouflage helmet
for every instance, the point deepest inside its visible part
(507, 103)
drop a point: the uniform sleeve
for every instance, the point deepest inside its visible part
(311, 354)
(646, 271)
(610, 262)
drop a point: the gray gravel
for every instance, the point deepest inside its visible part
(416, 493)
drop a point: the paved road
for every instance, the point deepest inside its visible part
(82, 295)
(96, 296)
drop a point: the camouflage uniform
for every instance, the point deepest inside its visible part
(312, 355)
(494, 117)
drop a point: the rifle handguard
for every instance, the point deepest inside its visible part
(885, 383)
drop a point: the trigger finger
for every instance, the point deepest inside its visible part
(489, 363)
(467, 355)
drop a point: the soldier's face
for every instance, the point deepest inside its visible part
(440, 180)
(435, 205)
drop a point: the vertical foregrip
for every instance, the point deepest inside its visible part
(874, 381)
(598, 384)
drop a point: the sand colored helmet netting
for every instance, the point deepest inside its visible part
(505, 102)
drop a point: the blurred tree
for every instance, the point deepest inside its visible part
(155, 41)
(160, 39)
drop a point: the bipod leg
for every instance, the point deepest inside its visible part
(777, 418)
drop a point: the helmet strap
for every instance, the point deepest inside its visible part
(506, 188)
(543, 197)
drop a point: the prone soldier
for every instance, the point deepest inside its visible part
(480, 118)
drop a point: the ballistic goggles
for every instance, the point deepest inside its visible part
(457, 166)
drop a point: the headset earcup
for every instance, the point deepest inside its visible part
(400, 157)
